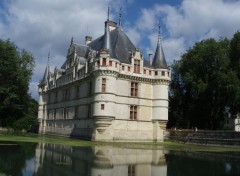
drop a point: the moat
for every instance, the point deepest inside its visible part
(42, 159)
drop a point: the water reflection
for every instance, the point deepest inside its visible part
(98, 161)
(28, 159)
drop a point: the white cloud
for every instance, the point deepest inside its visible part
(191, 21)
(33, 87)
(43, 26)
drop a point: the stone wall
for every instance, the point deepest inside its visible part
(207, 137)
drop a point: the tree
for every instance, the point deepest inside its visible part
(203, 86)
(235, 65)
(16, 67)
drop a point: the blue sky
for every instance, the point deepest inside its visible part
(41, 26)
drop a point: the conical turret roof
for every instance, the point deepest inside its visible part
(159, 60)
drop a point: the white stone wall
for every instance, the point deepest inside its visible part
(160, 102)
(131, 130)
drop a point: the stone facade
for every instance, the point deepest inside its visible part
(106, 91)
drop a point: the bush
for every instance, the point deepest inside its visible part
(25, 123)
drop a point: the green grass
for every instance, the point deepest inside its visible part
(167, 145)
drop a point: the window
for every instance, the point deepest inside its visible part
(67, 94)
(123, 68)
(98, 63)
(134, 89)
(77, 92)
(131, 170)
(144, 71)
(56, 96)
(150, 72)
(102, 106)
(136, 66)
(156, 73)
(163, 73)
(129, 69)
(133, 112)
(75, 112)
(110, 63)
(104, 62)
(103, 84)
(116, 65)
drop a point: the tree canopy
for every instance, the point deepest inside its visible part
(16, 68)
(205, 87)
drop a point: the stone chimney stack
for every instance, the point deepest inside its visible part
(88, 39)
(150, 58)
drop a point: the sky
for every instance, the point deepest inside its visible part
(43, 26)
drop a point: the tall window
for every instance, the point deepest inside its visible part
(77, 92)
(104, 62)
(56, 96)
(103, 84)
(66, 94)
(131, 170)
(98, 63)
(136, 66)
(134, 89)
(133, 112)
(110, 63)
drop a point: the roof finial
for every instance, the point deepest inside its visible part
(72, 41)
(108, 13)
(120, 17)
(48, 58)
(159, 32)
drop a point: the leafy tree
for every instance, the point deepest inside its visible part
(203, 86)
(235, 65)
(16, 67)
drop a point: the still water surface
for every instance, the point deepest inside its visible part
(27, 159)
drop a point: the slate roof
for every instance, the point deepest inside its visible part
(44, 79)
(120, 45)
(159, 60)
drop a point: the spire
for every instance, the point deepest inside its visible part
(159, 58)
(106, 43)
(120, 17)
(72, 41)
(108, 13)
(48, 58)
(46, 73)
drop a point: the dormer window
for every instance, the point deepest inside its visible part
(136, 66)
(104, 62)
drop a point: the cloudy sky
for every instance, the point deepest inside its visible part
(41, 26)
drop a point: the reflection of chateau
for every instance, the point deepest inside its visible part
(106, 91)
(98, 161)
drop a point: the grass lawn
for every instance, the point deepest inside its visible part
(7, 139)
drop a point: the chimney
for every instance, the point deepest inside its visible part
(150, 58)
(88, 39)
(112, 25)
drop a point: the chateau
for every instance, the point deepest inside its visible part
(106, 91)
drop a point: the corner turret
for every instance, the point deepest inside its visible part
(159, 61)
